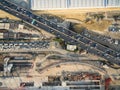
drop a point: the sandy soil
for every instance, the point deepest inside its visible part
(4, 15)
(78, 14)
(115, 35)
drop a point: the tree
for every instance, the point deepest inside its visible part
(87, 20)
(98, 17)
(115, 17)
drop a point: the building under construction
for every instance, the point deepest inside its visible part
(77, 81)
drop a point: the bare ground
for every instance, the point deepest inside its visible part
(79, 14)
(4, 15)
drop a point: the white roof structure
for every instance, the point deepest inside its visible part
(72, 4)
(71, 47)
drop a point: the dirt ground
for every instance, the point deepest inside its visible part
(99, 26)
(4, 15)
(76, 13)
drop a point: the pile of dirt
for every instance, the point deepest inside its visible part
(93, 25)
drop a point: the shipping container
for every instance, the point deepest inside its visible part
(5, 35)
(11, 35)
(1, 35)
(4, 25)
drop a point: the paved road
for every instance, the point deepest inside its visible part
(69, 36)
(105, 40)
(54, 64)
(61, 57)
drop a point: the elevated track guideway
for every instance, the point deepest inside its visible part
(69, 36)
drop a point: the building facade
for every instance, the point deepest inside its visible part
(71, 4)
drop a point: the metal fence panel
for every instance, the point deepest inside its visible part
(63, 4)
(113, 3)
(86, 3)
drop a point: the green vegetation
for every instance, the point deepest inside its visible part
(58, 40)
(98, 17)
(61, 42)
(115, 17)
(76, 50)
(87, 20)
